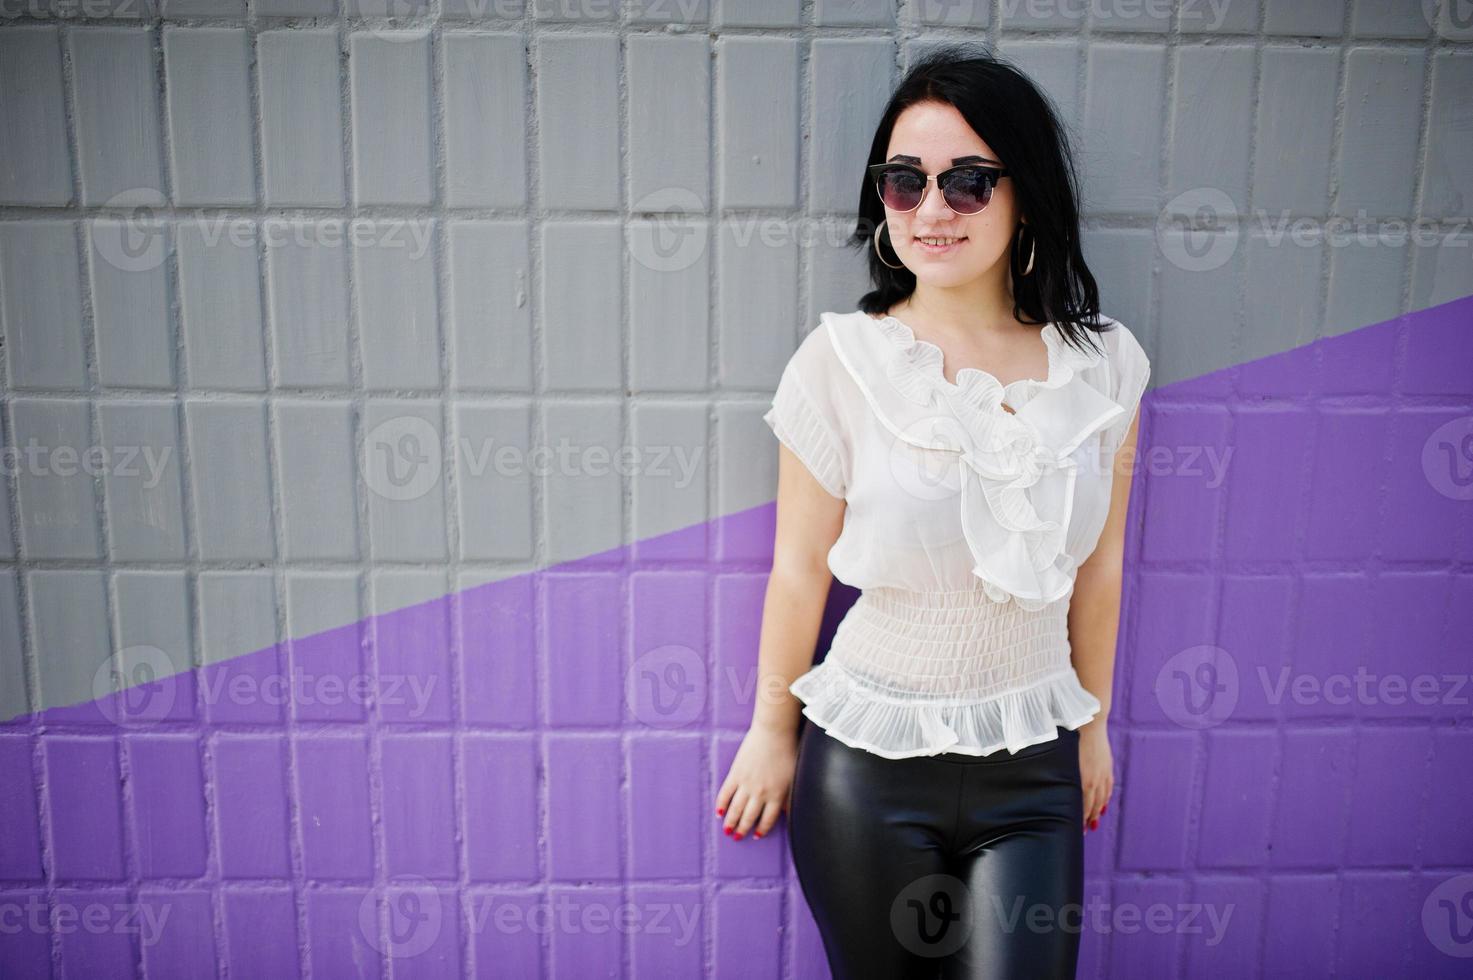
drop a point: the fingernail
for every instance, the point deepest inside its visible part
(728, 831)
(737, 836)
(1104, 808)
(757, 833)
(721, 811)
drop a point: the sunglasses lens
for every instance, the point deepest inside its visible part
(967, 191)
(900, 189)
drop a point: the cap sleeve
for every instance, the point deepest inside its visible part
(804, 416)
(1130, 370)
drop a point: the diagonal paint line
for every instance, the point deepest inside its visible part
(413, 653)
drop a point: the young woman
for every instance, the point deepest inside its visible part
(959, 448)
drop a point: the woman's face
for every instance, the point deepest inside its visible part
(934, 137)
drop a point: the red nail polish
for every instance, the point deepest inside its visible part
(721, 811)
(1104, 808)
(737, 836)
(757, 834)
(728, 831)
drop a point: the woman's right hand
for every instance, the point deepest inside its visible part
(759, 785)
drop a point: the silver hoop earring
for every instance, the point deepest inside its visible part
(876, 240)
(1032, 243)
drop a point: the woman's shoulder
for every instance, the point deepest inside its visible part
(1120, 343)
(818, 350)
(1123, 374)
(1117, 356)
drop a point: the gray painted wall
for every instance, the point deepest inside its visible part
(293, 257)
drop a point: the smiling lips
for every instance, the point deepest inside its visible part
(939, 244)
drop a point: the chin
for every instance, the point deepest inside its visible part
(949, 277)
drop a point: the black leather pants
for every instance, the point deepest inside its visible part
(949, 866)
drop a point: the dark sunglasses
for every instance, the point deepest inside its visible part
(965, 189)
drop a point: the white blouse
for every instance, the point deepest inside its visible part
(964, 525)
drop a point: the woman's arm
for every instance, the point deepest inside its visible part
(1094, 625)
(809, 520)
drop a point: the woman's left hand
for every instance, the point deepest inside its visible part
(1096, 771)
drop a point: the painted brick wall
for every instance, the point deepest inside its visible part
(285, 277)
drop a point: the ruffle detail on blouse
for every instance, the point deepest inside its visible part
(1017, 470)
(863, 718)
(799, 426)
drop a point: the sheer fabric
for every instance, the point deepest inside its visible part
(970, 504)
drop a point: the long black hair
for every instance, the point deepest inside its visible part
(1021, 125)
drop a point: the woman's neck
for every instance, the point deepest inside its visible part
(955, 312)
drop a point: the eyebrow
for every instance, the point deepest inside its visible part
(902, 158)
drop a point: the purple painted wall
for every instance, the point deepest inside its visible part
(530, 790)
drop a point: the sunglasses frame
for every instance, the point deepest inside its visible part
(877, 171)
